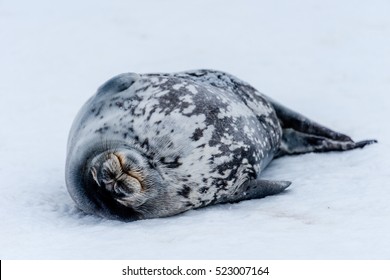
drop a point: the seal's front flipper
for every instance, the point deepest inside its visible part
(295, 142)
(261, 188)
(258, 189)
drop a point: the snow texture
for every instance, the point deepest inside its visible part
(326, 59)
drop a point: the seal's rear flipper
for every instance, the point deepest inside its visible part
(302, 135)
(258, 189)
(363, 143)
(295, 142)
(291, 119)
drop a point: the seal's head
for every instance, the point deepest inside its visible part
(115, 183)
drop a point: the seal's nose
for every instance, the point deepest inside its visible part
(110, 173)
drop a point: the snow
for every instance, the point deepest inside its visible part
(326, 59)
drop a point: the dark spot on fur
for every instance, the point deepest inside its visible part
(98, 110)
(145, 144)
(197, 74)
(198, 133)
(185, 191)
(142, 89)
(151, 112)
(171, 164)
(102, 129)
(151, 163)
(203, 190)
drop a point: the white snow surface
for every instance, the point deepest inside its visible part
(326, 59)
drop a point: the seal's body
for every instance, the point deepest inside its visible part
(155, 145)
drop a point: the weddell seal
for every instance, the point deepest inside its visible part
(155, 145)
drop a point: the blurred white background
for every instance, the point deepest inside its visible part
(328, 60)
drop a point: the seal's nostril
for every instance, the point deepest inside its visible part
(110, 186)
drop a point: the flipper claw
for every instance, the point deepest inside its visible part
(363, 143)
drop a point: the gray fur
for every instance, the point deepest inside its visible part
(155, 145)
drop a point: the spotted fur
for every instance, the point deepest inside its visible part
(197, 138)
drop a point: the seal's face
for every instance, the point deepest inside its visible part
(122, 174)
